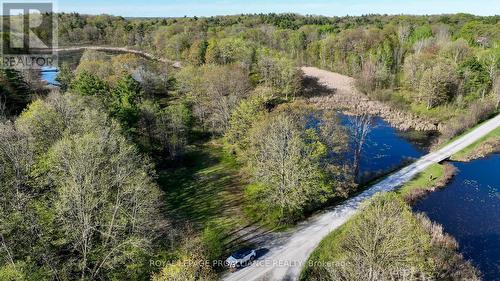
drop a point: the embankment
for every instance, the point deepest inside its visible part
(342, 94)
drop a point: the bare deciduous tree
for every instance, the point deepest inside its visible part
(403, 33)
(360, 126)
(107, 202)
(16, 156)
(457, 50)
(216, 90)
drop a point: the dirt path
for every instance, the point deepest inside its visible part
(285, 260)
(176, 64)
(344, 95)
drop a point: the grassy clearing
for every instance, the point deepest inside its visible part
(429, 177)
(206, 188)
(472, 149)
(439, 113)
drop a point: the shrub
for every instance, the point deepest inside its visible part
(477, 112)
(213, 238)
(191, 263)
(373, 76)
(383, 242)
(448, 264)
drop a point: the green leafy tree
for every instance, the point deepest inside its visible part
(164, 132)
(65, 77)
(212, 54)
(279, 72)
(172, 128)
(476, 77)
(490, 60)
(74, 184)
(87, 84)
(15, 93)
(197, 52)
(383, 242)
(44, 123)
(419, 33)
(124, 100)
(285, 162)
(230, 50)
(106, 201)
(241, 121)
(439, 84)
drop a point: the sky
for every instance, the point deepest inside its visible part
(176, 8)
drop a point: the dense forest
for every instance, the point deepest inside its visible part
(435, 66)
(91, 173)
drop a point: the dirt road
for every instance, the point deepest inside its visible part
(175, 64)
(284, 260)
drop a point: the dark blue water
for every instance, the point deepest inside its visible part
(49, 75)
(469, 209)
(385, 149)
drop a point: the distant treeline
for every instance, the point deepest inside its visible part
(425, 61)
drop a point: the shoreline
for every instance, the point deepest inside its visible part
(412, 195)
(427, 182)
(337, 91)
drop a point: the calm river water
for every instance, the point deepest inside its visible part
(469, 209)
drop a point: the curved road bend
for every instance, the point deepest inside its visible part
(285, 260)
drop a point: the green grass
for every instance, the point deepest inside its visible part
(441, 145)
(427, 178)
(206, 187)
(328, 250)
(470, 149)
(403, 100)
(439, 113)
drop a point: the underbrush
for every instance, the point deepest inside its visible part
(488, 144)
(402, 100)
(205, 186)
(453, 118)
(386, 240)
(476, 113)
